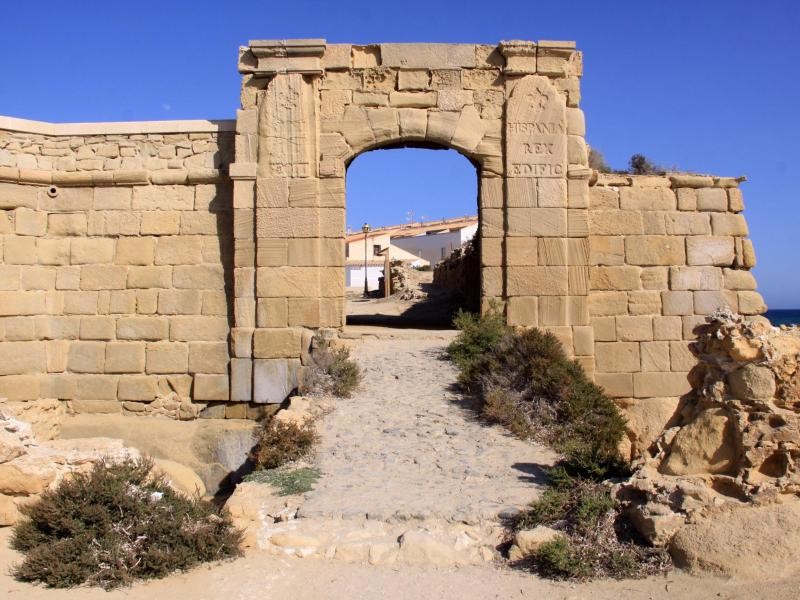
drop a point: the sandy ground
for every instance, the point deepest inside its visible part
(405, 447)
(260, 576)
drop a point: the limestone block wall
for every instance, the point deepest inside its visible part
(664, 253)
(116, 270)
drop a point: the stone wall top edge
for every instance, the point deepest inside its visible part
(115, 128)
(673, 179)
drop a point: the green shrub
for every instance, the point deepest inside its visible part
(289, 482)
(115, 524)
(477, 336)
(641, 165)
(281, 442)
(332, 371)
(526, 382)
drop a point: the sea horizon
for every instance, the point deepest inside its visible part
(783, 316)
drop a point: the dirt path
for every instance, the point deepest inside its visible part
(405, 447)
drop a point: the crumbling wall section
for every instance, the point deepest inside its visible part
(664, 252)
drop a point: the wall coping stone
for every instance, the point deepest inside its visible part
(115, 128)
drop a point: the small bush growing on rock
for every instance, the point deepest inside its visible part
(281, 442)
(116, 524)
(641, 165)
(332, 371)
(597, 161)
(598, 541)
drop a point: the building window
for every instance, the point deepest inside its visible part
(347, 250)
(443, 251)
(375, 249)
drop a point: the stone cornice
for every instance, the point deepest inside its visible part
(269, 57)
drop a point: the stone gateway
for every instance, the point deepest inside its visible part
(160, 266)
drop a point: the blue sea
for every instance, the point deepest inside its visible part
(784, 316)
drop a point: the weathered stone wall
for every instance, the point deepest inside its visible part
(136, 255)
(664, 252)
(115, 282)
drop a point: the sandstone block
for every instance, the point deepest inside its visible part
(142, 328)
(17, 358)
(615, 222)
(97, 328)
(167, 357)
(541, 281)
(413, 79)
(86, 357)
(179, 250)
(738, 279)
(677, 303)
(124, 357)
(655, 356)
(149, 277)
(712, 200)
(648, 250)
(644, 302)
(706, 302)
(617, 357)
(724, 224)
(635, 328)
(705, 445)
(30, 222)
(92, 250)
(751, 303)
(163, 197)
(211, 387)
(615, 278)
(603, 304)
(208, 357)
(647, 198)
(709, 250)
(687, 199)
(135, 251)
(137, 388)
(201, 329)
(112, 198)
(606, 250)
(277, 343)
(103, 277)
(655, 385)
(66, 224)
(179, 302)
(695, 278)
(616, 385)
(274, 379)
(160, 222)
(687, 223)
(667, 328)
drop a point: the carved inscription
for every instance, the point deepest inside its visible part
(536, 130)
(288, 124)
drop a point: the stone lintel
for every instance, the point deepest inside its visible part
(567, 45)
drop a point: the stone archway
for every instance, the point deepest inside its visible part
(308, 108)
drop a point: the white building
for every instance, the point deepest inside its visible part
(435, 244)
(417, 244)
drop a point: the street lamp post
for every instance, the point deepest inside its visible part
(366, 229)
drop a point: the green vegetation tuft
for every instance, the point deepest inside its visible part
(116, 524)
(289, 482)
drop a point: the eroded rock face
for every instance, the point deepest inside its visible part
(28, 467)
(734, 449)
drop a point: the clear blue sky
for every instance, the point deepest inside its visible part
(703, 85)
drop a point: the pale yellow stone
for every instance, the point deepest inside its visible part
(649, 250)
(617, 357)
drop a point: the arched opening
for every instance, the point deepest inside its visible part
(409, 210)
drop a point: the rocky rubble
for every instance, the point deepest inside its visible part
(29, 466)
(735, 447)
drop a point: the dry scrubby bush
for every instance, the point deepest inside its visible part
(281, 442)
(599, 541)
(116, 524)
(525, 381)
(332, 371)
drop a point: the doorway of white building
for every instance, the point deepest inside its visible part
(408, 209)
